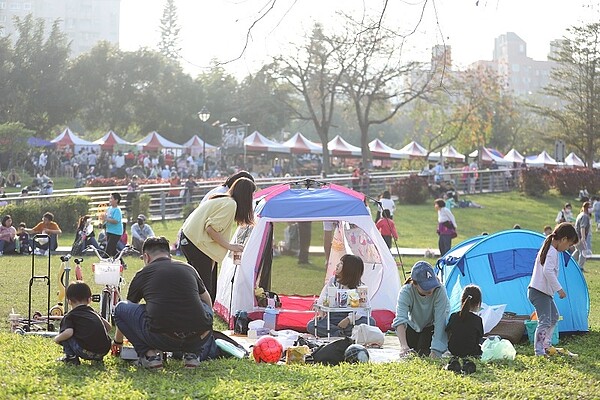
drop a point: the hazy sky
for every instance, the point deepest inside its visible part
(216, 29)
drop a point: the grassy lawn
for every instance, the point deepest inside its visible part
(28, 368)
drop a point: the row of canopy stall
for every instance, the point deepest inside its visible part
(299, 144)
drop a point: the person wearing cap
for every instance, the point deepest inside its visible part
(140, 231)
(421, 313)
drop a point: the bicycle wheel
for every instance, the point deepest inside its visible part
(105, 306)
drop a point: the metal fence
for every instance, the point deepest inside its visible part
(167, 202)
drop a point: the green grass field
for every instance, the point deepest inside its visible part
(28, 368)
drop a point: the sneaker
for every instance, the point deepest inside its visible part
(468, 367)
(190, 360)
(453, 365)
(150, 362)
(70, 360)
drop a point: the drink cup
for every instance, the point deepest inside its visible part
(332, 296)
(342, 298)
(237, 257)
(363, 295)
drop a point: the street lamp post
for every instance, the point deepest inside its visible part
(204, 115)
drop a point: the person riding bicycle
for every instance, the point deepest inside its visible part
(177, 315)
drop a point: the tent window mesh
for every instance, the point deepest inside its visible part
(511, 264)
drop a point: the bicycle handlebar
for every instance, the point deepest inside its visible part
(117, 258)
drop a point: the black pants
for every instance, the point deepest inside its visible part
(419, 341)
(304, 233)
(206, 267)
(111, 244)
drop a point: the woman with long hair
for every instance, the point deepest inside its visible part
(583, 225)
(205, 234)
(8, 234)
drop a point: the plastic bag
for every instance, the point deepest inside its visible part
(369, 336)
(495, 348)
(491, 315)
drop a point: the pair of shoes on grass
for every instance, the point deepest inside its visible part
(468, 367)
(70, 360)
(151, 362)
(190, 360)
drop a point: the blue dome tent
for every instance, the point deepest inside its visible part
(501, 265)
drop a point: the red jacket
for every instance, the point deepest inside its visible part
(387, 228)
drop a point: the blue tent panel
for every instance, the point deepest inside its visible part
(501, 265)
(37, 142)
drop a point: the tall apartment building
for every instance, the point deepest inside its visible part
(519, 73)
(85, 22)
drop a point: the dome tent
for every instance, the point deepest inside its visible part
(501, 265)
(291, 203)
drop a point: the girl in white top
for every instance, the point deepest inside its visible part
(387, 204)
(544, 283)
(445, 217)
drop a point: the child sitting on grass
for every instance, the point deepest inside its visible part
(23, 245)
(465, 330)
(83, 333)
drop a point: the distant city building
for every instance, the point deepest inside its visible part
(518, 73)
(85, 22)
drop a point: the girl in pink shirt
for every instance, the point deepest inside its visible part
(544, 283)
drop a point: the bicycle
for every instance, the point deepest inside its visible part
(109, 272)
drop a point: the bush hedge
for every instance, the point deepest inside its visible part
(535, 181)
(569, 181)
(66, 210)
(411, 190)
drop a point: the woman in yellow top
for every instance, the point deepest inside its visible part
(205, 234)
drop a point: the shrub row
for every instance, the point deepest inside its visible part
(66, 210)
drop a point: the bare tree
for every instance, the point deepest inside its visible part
(315, 72)
(376, 80)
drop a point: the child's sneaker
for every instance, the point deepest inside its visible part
(453, 365)
(468, 367)
(190, 360)
(150, 362)
(69, 360)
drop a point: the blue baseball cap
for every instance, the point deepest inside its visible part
(422, 274)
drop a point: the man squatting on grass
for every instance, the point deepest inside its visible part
(177, 316)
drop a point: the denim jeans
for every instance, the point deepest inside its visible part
(71, 347)
(334, 320)
(547, 314)
(132, 321)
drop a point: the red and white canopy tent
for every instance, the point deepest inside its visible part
(68, 139)
(299, 144)
(381, 150)
(448, 153)
(195, 146)
(110, 140)
(155, 142)
(340, 148)
(572, 160)
(414, 150)
(257, 142)
(514, 156)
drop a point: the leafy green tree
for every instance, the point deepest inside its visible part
(13, 142)
(169, 32)
(38, 93)
(576, 86)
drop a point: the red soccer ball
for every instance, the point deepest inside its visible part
(267, 349)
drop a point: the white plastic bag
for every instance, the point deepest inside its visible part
(495, 348)
(491, 315)
(368, 336)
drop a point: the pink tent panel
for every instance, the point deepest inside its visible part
(299, 144)
(381, 150)
(414, 149)
(154, 141)
(257, 142)
(339, 147)
(109, 140)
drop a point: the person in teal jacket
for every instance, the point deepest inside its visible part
(114, 224)
(421, 313)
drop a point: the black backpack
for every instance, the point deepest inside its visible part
(331, 353)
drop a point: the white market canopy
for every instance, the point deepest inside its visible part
(257, 142)
(573, 160)
(197, 142)
(154, 141)
(340, 148)
(448, 153)
(299, 144)
(540, 160)
(487, 155)
(414, 150)
(381, 150)
(514, 156)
